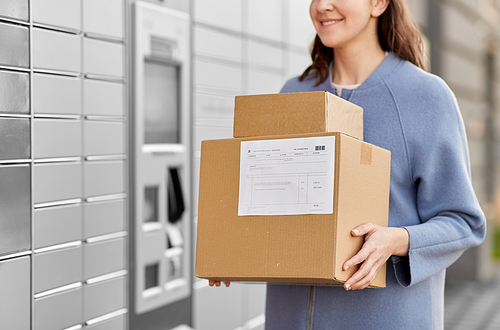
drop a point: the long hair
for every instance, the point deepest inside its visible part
(397, 33)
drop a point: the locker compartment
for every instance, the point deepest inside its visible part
(16, 9)
(104, 178)
(213, 106)
(63, 13)
(104, 138)
(210, 75)
(209, 133)
(208, 303)
(217, 44)
(59, 311)
(56, 51)
(102, 58)
(104, 257)
(261, 54)
(101, 98)
(57, 225)
(15, 300)
(15, 89)
(57, 268)
(15, 137)
(256, 300)
(103, 218)
(265, 23)
(116, 323)
(104, 17)
(104, 297)
(263, 82)
(58, 181)
(15, 45)
(15, 208)
(57, 138)
(56, 95)
(216, 13)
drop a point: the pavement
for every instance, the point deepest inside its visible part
(472, 305)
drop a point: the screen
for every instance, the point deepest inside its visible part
(161, 102)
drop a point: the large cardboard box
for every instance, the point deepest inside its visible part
(296, 113)
(300, 249)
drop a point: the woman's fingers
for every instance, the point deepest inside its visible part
(217, 283)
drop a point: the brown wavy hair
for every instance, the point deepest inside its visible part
(397, 33)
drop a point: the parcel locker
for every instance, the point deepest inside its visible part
(103, 98)
(15, 297)
(104, 17)
(15, 9)
(15, 87)
(15, 208)
(57, 182)
(58, 13)
(102, 218)
(57, 95)
(104, 138)
(104, 178)
(15, 45)
(55, 138)
(104, 297)
(57, 225)
(104, 257)
(103, 58)
(56, 51)
(59, 311)
(115, 323)
(15, 138)
(57, 268)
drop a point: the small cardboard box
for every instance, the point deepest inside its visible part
(305, 249)
(296, 113)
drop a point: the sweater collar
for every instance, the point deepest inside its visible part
(385, 68)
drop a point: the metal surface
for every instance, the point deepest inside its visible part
(15, 87)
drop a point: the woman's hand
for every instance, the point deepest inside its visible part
(217, 283)
(380, 244)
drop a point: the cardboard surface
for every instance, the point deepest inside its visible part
(296, 113)
(300, 249)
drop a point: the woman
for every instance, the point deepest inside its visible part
(370, 53)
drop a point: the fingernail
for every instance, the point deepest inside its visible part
(356, 231)
(346, 267)
(348, 287)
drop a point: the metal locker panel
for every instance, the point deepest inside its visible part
(59, 311)
(17, 9)
(15, 208)
(15, 137)
(104, 297)
(15, 300)
(104, 138)
(265, 23)
(57, 181)
(57, 225)
(104, 257)
(103, 58)
(57, 138)
(104, 17)
(56, 50)
(264, 82)
(101, 218)
(15, 87)
(117, 323)
(215, 13)
(104, 178)
(63, 13)
(218, 309)
(264, 55)
(102, 98)
(217, 44)
(57, 95)
(256, 300)
(57, 268)
(216, 76)
(15, 43)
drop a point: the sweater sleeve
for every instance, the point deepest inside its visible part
(450, 218)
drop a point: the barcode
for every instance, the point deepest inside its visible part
(319, 148)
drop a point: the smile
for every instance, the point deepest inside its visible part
(330, 22)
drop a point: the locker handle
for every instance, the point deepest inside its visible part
(176, 205)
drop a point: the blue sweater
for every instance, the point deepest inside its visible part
(414, 115)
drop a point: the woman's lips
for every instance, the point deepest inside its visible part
(328, 22)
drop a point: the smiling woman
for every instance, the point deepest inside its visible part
(370, 52)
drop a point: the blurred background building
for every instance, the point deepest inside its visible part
(98, 182)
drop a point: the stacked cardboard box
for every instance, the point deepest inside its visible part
(300, 248)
